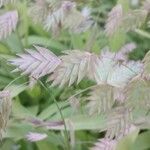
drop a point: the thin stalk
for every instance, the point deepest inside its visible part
(9, 84)
(62, 117)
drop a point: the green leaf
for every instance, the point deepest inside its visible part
(14, 43)
(16, 89)
(46, 42)
(84, 122)
(45, 145)
(142, 142)
(20, 111)
(17, 130)
(51, 110)
(143, 33)
(117, 40)
(126, 143)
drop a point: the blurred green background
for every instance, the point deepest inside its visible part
(39, 103)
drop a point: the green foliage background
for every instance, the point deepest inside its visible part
(39, 103)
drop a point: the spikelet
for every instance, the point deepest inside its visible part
(5, 110)
(74, 68)
(101, 99)
(34, 137)
(62, 17)
(105, 144)
(8, 23)
(121, 55)
(118, 20)
(40, 9)
(138, 94)
(109, 71)
(82, 23)
(118, 123)
(55, 18)
(36, 63)
(134, 19)
(114, 20)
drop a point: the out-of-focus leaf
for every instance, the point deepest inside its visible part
(17, 131)
(143, 33)
(45, 145)
(84, 122)
(20, 111)
(33, 109)
(4, 49)
(16, 89)
(126, 143)
(142, 142)
(51, 110)
(7, 145)
(14, 43)
(46, 42)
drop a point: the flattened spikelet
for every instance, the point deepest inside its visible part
(75, 66)
(114, 20)
(34, 137)
(138, 94)
(118, 123)
(36, 63)
(109, 71)
(8, 23)
(120, 21)
(39, 11)
(134, 19)
(101, 99)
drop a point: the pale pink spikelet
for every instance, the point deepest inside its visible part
(127, 48)
(39, 10)
(63, 18)
(55, 18)
(36, 63)
(118, 123)
(114, 20)
(74, 67)
(8, 23)
(34, 137)
(82, 24)
(105, 144)
(121, 55)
